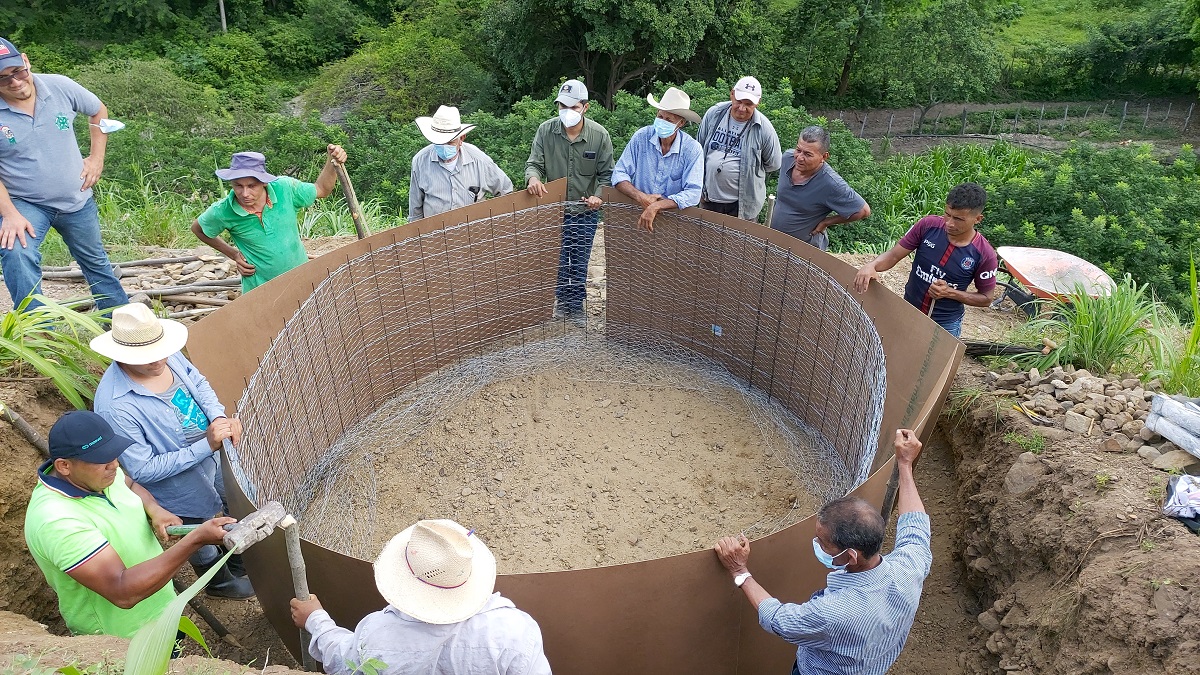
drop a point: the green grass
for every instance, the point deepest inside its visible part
(1034, 442)
(51, 341)
(1063, 22)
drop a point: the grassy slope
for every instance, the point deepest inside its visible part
(1064, 21)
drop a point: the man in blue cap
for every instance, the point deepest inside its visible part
(260, 214)
(46, 182)
(91, 530)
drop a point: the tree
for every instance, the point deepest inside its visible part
(613, 44)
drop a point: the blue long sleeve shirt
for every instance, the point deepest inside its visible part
(182, 477)
(677, 175)
(859, 623)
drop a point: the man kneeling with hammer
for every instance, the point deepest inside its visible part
(91, 530)
(443, 617)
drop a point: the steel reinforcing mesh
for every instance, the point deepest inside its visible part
(419, 325)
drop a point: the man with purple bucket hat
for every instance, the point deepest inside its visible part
(46, 182)
(260, 215)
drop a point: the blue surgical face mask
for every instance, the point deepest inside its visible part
(569, 117)
(825, 558)
(445, 152)
(663, 128)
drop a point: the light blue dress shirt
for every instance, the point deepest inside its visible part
(859, 623)
(184, 478)
(677, 175)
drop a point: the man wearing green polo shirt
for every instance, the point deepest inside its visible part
(91, 530)
(260, 214)
(572, 146)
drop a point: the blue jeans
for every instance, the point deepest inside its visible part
(80, 231)
(953, 327)
(577, 234)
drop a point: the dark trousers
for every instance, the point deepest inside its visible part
(730, 209)
(578, 232)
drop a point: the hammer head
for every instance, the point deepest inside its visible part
(255, 527)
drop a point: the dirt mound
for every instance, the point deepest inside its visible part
(1069, 548)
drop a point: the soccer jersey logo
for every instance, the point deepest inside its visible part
(967, 263)
(62, 122)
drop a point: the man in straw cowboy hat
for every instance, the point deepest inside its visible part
(442, 618)
(662, 167)
(259, 212)
(450, 173)
(91, 530)
(154, 396)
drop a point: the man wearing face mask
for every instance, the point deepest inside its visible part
(741, 148)
(450, 173)
(580, 150)
(662, 167)
(858, 624)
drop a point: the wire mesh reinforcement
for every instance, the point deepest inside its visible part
(416, 326)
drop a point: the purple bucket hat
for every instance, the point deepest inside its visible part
(246, 165)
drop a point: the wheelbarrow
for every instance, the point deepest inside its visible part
(1035, 274)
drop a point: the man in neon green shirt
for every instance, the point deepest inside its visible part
(86, 526)
(260, 214)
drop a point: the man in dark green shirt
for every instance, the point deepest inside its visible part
(574, 147)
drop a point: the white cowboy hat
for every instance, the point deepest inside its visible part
(444, 126)
(675, 101)
(138, 337)
(436, 571)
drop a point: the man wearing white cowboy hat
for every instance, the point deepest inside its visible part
(662, 167)
(741, 148)
(450, 173)
(259, 212)
(154, 396)
(442, 618)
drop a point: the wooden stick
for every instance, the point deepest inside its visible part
(291, 537)
(179, 290)
(192, 312)
(195, 300)
(209, 618)
(145, 262)
(35, 439)
(356, 214)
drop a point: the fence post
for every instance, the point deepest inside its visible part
(1124, 112)
(1146, 119)
(1085, 114)
(1064, 122)
(1041, 116)
(935, 124)
(1017, 119)
(912, 128)
(964, 121)
(891, 119)
(863, 128)
(991, 122)
(1169, 103)
(1188, 119)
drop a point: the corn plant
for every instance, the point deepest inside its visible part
(150, 649)
(1178, 367)
(1098, 333)
(51, 341)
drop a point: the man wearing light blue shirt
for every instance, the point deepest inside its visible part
(858, 624)
(152, 395)
(662, 167)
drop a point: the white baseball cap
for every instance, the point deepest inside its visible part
(571, 93)
(748, 89)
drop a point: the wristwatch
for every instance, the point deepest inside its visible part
(741, 579)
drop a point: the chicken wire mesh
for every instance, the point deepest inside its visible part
(394, 338)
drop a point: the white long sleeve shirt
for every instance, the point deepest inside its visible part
(499, 640)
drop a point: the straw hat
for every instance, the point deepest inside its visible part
(677, 102)
(436, 571)
(445, 125)
(138, 337)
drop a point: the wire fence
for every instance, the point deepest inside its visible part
(393, 339)
(1102, 120)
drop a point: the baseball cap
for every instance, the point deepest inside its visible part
(86, 436)
(9, 55)
(572, 92)
(748, 89)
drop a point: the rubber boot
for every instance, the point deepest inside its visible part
(223, 584)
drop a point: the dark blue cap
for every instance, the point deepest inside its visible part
(9, 55)
(85, 436)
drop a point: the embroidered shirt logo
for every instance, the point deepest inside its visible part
(967, 263)
(62, 122)
(8, 133)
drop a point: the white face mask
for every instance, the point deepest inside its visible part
(569, 117)
(108, 126)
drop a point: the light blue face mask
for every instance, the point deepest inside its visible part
(663, 128)
(445, 152)
(825, 558)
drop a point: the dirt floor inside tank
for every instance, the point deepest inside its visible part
(572, 467)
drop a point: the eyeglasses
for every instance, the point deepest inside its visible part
(18, 74)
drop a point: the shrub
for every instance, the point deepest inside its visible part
(51, 340)
(134, 89)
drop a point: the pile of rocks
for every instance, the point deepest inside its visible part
(1113, 409)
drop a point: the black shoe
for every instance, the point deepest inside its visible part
(226, 585)
(236, 566)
